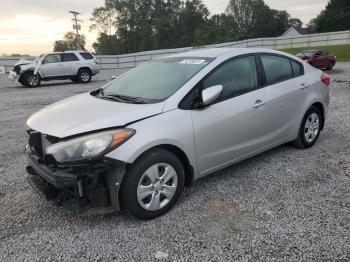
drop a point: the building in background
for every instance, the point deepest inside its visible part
(298, 31)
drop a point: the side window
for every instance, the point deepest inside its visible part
(86, 56)
(324, 53)
(53, 59)
(69, 57)
(237, 77)
(297, 68)
(276, 68)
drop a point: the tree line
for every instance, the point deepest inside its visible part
(128, 26)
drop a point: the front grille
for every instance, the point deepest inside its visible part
(38, 141)
(88, 168)
(17, 69)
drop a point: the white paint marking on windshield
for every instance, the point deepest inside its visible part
(192, 62)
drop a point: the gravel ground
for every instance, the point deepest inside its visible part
(284, 205)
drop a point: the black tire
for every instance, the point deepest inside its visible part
(134, 174)
(75, 80)
(330, 65)
(30, 80)
(84, 76)
(301, 141)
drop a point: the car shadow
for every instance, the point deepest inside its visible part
(55, 84)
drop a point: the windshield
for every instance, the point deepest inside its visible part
(39, 57)
(156, 80)
(306, 53)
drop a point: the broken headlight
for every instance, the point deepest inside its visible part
(88, 146)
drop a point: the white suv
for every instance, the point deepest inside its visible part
(79, 66)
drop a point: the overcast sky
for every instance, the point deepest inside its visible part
(31, 26)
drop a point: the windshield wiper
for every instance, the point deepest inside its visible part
(96, 92)
(113, 98)
(130, 99)
(121, 98)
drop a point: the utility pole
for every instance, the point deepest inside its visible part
(77, 27)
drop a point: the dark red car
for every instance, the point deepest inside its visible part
(318, 58)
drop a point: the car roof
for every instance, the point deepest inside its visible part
(216, 52)
(309, 51)
(68, 51)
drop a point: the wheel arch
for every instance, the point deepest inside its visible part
(189, 170)
(84, 67)
(29, 70)
(320, 107)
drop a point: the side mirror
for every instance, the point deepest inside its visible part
(209, 95)
(113, 77)
(43, 62)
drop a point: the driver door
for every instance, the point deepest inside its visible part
(52, 66)
(238, 122)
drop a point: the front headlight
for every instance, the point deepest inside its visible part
(89, 146)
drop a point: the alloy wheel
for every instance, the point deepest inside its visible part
(33, 80)
(312, 127)
(85, 76)
(157, 186)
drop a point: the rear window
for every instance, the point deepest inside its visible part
(276, 68)
(87, 56)
(297, 68)
(306, 53)
(68, 57)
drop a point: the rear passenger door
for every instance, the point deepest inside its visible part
(288, 90)
(70, 63)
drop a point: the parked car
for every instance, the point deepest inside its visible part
(138, 140)
(318, 58)
(79, 66)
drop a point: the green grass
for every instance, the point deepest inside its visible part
(342, 52)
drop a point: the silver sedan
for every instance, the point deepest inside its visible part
(138, 140)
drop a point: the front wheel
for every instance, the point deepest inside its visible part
(310, 128)
(153, 184)
(31, 80)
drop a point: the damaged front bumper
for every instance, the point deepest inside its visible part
(13, 76)
(96, 182)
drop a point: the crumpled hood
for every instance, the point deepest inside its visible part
(84, 113)
(24, 62)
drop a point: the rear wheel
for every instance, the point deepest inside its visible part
(153, 184)
(31, 80)
(310, 128)
(84, 76)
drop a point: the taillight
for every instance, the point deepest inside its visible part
(326, 79)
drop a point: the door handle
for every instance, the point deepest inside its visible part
(303, 86)
(259, 103)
